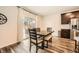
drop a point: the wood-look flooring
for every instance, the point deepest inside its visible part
(61, 45)
(58, 45)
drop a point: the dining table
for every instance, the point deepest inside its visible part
(44, 34)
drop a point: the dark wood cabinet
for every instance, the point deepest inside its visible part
(66, 17)
(65, 33)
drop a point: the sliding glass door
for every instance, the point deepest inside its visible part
(28, 23)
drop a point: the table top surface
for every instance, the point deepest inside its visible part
(44, 32)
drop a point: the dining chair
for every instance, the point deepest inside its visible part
(38, 29)
(49, 29)
(48, 38)
(35, 39)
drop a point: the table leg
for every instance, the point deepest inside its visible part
(43, 43)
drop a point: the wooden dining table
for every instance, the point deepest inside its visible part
(44, 34)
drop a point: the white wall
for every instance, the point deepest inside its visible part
(8, 31)
(54, 22)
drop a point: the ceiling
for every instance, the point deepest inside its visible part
(47, 10)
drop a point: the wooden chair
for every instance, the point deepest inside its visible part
(48, 38)
(35, 39)
(49, 29)
(38, 29)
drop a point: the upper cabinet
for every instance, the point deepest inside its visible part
(66, 17)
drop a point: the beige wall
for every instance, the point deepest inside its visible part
(8, 31)
(20, 24)
(39, 22)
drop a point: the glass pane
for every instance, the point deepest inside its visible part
(28, 23)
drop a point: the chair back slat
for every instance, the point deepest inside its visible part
(36, 39)
(33, 37)
(33, 34)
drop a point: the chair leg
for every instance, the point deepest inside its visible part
(36, 48)
(47, 44)
(43, 43)
(30, 47)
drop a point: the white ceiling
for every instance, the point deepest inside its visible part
(47, 10)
